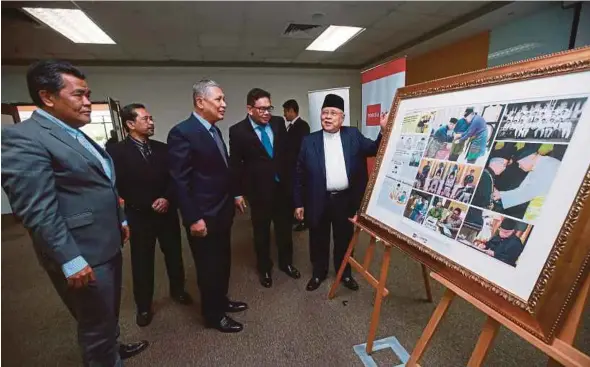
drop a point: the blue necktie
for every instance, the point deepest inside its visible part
(266, 143)
(219, 143)
(265, 140)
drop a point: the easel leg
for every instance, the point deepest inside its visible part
(437, 316)
(570, 326)
(427, 283)
(378, 298)
(486, 338)
(351, 245)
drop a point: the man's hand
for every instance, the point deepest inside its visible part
(354, 218)
(125, 233)
(240, 204)
(299, 214)
(81, 278)
(496, 195)
(489, 252)
(383, 119)
(199, 229)
(161, 205)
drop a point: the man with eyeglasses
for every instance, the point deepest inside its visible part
(259, 160)
(330, 181)
(144, 182)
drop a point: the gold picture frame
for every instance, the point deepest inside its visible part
(568, 262)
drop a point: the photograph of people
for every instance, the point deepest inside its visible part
(440, 141)
(450, 224)
(476, 134)
(423, 171)
(417, 122)
(465, 191)
(415, 159)
(421, 144)
(504, 237)
(516, 184)
(548, 120)
(417, 206)
(444, 216)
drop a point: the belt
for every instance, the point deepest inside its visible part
(334, 193)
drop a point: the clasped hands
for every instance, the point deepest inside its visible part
(300, 214)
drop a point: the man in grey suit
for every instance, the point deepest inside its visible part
(61, 184)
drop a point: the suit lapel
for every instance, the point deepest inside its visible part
(319, 146)
(63, 136)
(200, 129)
(254, 135)
(275, 131)
(345, 138)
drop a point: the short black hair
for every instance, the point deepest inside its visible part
(291, 104)
(453, 120)
(128, 113)
(468, 111)
(255, 94)
(47, 75)
(457, 210)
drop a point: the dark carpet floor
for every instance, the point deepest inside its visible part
(285, 325)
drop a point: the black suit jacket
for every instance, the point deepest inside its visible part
(200, 175)
(139, 181)
(310, 177)
(295, 135)
(253, 169)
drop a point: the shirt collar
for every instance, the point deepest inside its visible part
(255, 125)
(292, 121)
(203, 122)
(57, 121)
(328, 135)
(139, 142)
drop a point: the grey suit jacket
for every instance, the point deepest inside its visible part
(61, 192)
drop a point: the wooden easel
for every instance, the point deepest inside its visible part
(363, 269)
(560, 351)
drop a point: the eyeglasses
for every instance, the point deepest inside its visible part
(146, 119)
(268, 109)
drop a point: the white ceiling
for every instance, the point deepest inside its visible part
(249, 32)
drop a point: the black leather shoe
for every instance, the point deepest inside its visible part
(226, 325)
(265, 280)
(132, 349)
(314, 283)
(183, 298)
(143, 318)
(291, 271)
(350, 283)
(236, 306)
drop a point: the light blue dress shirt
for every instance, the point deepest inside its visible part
(78, 263)
(206, 124)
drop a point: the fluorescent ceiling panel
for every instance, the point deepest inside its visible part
(334, 37)
(74, 24)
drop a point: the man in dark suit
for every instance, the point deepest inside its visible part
(143, 181)
(199, 168)
(330, 182)
(62, 186)
(258, 158)
(297, 129)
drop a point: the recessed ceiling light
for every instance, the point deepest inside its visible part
(334, 37)
(73, 24)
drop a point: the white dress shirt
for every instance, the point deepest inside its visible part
(336, 178)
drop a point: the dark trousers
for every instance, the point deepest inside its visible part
(335, 217)
(96, 309)
(276, 207)
(212, 256)
(145, 228)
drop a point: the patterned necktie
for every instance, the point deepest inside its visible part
(219, 142)
(265, 140)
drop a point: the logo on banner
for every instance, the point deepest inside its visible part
(373, 114)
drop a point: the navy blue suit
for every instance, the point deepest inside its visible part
(203, 182)
(323, 209)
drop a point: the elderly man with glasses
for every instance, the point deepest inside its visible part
(259, 162)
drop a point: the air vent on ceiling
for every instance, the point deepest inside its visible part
(302, 31)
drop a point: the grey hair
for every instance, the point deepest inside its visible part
(201, 88)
